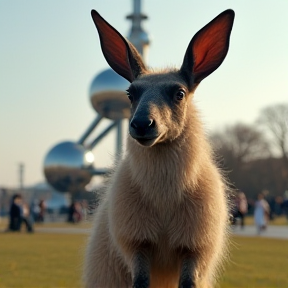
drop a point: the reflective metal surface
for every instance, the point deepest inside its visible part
(108, 96)
(67, 167)
(90, 129)
(102, 135)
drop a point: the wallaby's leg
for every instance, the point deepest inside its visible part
(141, 270)
(187, 277)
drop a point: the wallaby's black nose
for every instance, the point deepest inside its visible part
(142, 125)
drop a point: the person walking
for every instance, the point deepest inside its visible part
(261, 213)
(240, 209)
(26, 217)
(15, 213)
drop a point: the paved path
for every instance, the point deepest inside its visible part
(71, 230)
(279, 232)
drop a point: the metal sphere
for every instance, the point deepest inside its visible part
(108, 97)
(67, 167)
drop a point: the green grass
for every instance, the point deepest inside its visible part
(54, 260)
(257, 263)
(40, 260)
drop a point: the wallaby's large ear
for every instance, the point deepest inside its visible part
(120, 54)
(209, 47)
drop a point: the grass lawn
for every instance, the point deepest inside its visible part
(257, 263)
(54, 260)
(40, 260)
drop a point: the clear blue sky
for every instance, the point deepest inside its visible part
(50, 53)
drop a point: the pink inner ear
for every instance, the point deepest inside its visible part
(211, 45)
(113, 47)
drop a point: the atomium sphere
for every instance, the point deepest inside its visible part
(67, 167)
(108, 97)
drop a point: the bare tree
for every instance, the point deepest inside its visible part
(241, 142)
(275, 119)
(237, 146)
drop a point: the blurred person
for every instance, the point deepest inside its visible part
(34, 210)
(240, 209)
(261, 213)
(15, 213)
(26, 217)
(284, 207)
(71, 211)
(42, 209)
(78, 216)
(75, 212)
(84, 205)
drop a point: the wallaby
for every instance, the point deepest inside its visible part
(163, 221)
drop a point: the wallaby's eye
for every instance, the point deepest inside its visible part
(129, 96)
(180, 94)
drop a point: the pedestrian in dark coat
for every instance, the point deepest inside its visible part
(15, 213)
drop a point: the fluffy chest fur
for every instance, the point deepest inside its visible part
(168, 198)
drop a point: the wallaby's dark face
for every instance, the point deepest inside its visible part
(160, 101)
(158, 107)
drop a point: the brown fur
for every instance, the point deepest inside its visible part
(165, 211)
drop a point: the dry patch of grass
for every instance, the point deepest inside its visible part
(54, 261)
